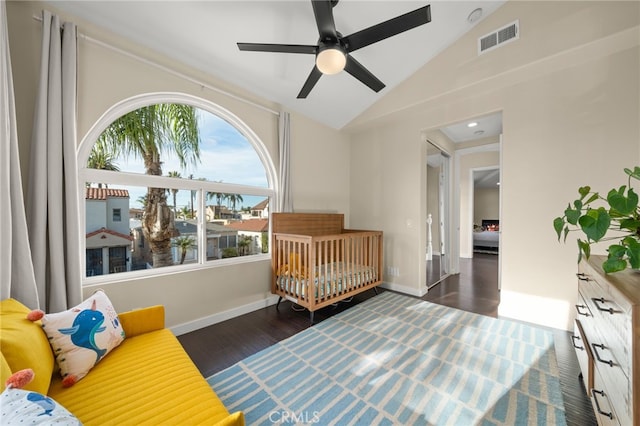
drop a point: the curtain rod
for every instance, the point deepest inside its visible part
(168, 70)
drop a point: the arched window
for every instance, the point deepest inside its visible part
(172, 182)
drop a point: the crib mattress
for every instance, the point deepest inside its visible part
(327, 276)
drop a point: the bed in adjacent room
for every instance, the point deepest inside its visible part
(487, 237)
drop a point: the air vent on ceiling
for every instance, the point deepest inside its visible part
(499, 37)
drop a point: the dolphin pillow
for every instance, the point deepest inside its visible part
(83, 335)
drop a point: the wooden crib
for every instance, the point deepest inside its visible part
(316, 262)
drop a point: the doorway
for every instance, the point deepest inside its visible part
(438, 247)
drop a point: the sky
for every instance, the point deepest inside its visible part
(225, 155)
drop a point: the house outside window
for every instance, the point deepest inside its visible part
(170, 209)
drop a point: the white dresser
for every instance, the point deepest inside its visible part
(607, 341)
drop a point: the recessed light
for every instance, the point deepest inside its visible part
(472, 124)
(475, 15)
(478, 132)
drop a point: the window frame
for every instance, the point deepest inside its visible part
(85, 174)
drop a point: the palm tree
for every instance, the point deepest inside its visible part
(174, 191)
(243, 244)
(184, 242)
(101, 158)
(142, 200)
(234, 199)
(185, 213)
(147, 133)
(219, 196)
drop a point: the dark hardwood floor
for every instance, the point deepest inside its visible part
(475, 289)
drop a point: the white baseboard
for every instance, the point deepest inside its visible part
(269, 301)
(412, 291)
(223, 316)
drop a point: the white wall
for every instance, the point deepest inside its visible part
(568, 90)
(106, 77)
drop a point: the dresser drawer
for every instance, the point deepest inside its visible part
(602, 402)
(583, 353)
(611, 316)
(612, 379)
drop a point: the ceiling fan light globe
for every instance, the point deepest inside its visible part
(331, 61)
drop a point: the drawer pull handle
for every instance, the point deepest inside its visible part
(595, 399)
(578, 307)
(582, 276)
(595, 350)
(600, 308)
(573, 340)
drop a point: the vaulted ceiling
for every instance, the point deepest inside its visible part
(203, 35)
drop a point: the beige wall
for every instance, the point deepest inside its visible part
(486, 203)
(106, 78)
(568, 90)
(569, 93)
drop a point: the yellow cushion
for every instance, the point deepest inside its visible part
(24, 344)
(148, 380)
(5, 371)
(143, 320)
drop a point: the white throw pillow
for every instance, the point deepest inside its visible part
(83, 335)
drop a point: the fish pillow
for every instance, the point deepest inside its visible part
(83, 335)
(23, 407)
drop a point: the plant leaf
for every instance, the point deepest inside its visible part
(558, 225)
(584, 191)
(633, 251)
(595, 223)
(630, 224)
(624, 205)
(635, 173)
(572, 215)
(592, 198)
(616, 250)
(613, 265)
(584, 248)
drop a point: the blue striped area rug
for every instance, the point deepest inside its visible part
(397, 360)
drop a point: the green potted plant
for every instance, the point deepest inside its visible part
(614, 218)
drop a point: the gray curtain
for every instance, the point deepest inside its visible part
(52, 206)
(16, 270)
(284, 139)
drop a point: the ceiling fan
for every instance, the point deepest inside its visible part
(333, 50)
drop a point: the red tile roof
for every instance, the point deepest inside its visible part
(103, 193)
(251, 225)
(109, 231)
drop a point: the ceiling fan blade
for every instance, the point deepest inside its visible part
(387, 29)
(278, 48)
(323, 11)
(311, 81)
(357, 70)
